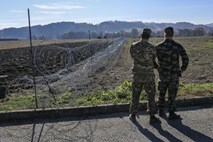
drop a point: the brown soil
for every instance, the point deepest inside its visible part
(119, 73)
(16, 62)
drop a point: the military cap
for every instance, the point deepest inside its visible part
(147, 31)
(169, 31)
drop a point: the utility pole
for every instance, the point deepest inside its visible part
(32, 58)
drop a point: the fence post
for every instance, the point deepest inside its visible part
(32, 58)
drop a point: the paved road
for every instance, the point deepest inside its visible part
(196, 125)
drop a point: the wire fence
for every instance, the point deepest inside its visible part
(59, 67)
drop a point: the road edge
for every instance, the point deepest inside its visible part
(90, 110)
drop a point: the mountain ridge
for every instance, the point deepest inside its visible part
(53, 30)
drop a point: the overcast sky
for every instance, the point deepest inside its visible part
(14, 12)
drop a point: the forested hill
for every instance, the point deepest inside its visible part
(55, 30)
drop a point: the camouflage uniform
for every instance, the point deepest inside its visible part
(168, 53)
(143, 54)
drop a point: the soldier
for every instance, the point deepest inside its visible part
(143, 54)
(168, 53)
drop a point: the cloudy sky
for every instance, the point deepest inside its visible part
(14, 13)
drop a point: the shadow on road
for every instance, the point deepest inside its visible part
(76, 127)
(33, 132)
(189, 132)
(166, 134)
(63, 132)
(40, 133)
(147, 133)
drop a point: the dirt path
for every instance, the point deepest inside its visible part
(119, 73)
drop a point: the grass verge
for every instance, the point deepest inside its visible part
(121, 94)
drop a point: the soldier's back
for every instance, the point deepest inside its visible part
(142, 53)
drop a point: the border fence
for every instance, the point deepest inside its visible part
(49, 69)
(58, 68)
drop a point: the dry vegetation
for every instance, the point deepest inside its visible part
(199, 49)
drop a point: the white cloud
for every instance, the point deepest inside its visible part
(53, 12)
(59, 6)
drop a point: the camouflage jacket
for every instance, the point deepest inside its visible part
(168, 53)
(143, 54)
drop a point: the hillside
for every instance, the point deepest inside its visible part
(210, 25)
(54, 30)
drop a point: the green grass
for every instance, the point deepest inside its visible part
(121, 94)
(210, 44)
(20, 102)
(187, 90)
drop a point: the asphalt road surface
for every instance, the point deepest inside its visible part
(196, 125)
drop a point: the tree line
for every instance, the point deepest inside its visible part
(133, 33)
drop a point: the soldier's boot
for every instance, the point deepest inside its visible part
(173, 116)
(154, 120)
(161, 113)
(132, 117)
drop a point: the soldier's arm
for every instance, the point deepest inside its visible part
(185, 58)
(154, 59)
(155, 63)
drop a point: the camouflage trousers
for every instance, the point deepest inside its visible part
(172, 87)
(150, 89)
